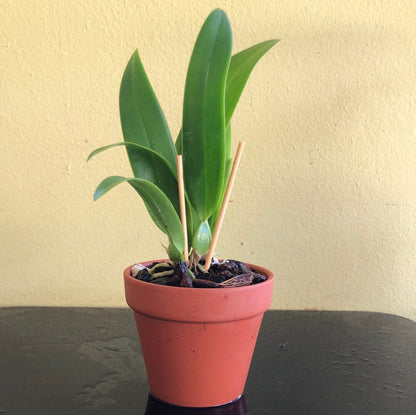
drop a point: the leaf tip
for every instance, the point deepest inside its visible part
(97, 195)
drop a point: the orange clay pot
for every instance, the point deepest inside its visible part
(197, 343)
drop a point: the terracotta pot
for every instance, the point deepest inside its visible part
(197, 343)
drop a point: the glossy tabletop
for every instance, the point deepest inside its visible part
(88, 361)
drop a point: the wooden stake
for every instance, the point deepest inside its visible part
(224, 204)
(181, 188)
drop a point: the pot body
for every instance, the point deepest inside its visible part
(197, 343)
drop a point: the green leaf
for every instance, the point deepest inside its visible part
(173, 253)
(163, 177)
(202, 238)
(179, 143)
(204, 114)
(134, 146)
(241, 66)
(193, 217)
(213, 219)
(228, 164)
(142, 119)
(228, 155)
(107, 184)
(161, 210)
(157, 203)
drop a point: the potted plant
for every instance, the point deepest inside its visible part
(197, 317)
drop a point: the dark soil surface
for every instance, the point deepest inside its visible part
(228, 273)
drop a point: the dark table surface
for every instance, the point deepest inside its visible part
(88, 361)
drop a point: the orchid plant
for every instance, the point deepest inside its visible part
(214, 83)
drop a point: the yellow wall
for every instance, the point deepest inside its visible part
(326, 192)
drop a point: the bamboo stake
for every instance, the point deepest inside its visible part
(181, 189)
(224, 204)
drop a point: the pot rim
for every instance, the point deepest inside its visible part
(199, 304)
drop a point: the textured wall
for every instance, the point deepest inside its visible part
(326, 192)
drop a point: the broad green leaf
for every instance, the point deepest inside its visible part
(142, 119)
(163, 177)
(241, 66)
(204, 114)
(157, 203)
